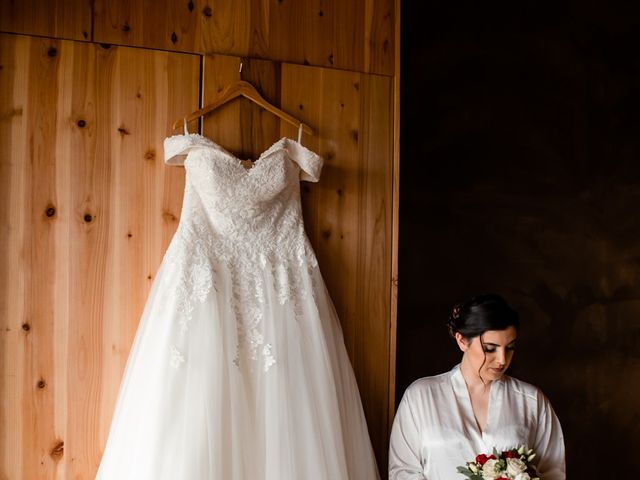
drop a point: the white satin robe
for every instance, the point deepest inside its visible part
(435, 430)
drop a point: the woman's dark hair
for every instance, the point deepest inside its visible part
(481, 313)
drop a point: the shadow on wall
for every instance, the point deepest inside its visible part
(521, 175)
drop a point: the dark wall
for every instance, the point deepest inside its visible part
(520, 174)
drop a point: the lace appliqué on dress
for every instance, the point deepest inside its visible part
(176, 357)
(248, 222)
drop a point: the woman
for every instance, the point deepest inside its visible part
(445, 421)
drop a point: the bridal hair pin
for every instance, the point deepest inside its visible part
(452, 321)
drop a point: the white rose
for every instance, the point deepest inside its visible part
(522, 476)
(490, 470)
(515, 466)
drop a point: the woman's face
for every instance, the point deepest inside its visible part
(490, 353)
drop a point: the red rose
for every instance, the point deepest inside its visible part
(502, 478)
(508, 454)
(482, 458)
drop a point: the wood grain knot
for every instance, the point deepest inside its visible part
(330, 58)
(125, 27)
(326, 234)
(52, 52)
(321, 13)
(207, 11)
(301, 107)
(190, 6)
(169, 217)
(174, 38)
(106, 46)
(81, 123)
(85, 34)
(88, 218)
(123, 131)
(16, 112)
(57, 451)
(354, 134)
(330, 156)
(339, 192)
(129, 235)
(41, 384)
(150, 154)
(26, 327)
(50, 211)
(149, 277)
(356, 85)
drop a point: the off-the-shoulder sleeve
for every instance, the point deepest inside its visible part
(310, 163)
(176, 149)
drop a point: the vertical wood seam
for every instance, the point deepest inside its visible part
(395, 195)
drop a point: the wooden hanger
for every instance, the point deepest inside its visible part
(245, 89)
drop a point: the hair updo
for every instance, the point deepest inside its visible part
(481, 313)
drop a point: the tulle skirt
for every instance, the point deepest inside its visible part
(191, 413)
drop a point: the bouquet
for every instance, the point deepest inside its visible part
(513, 464)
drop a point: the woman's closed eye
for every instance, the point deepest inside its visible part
(492, 348)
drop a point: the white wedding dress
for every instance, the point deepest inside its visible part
(238, 370)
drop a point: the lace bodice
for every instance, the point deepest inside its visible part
(252, 213)
(242, 220)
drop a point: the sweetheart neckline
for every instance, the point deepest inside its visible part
(228, 153)
(236, 162)
(273, 148)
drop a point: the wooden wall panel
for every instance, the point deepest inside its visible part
(351, 215)
(12, 226)
(241, 126)
(348, 214)
(355, 35)
(81, 127)
(372, 345)
(70, 19)
(31, 261)
(90, 209)
(352, 35)
(87, 214)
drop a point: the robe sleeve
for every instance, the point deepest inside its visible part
(549, 446)
(404, 447)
